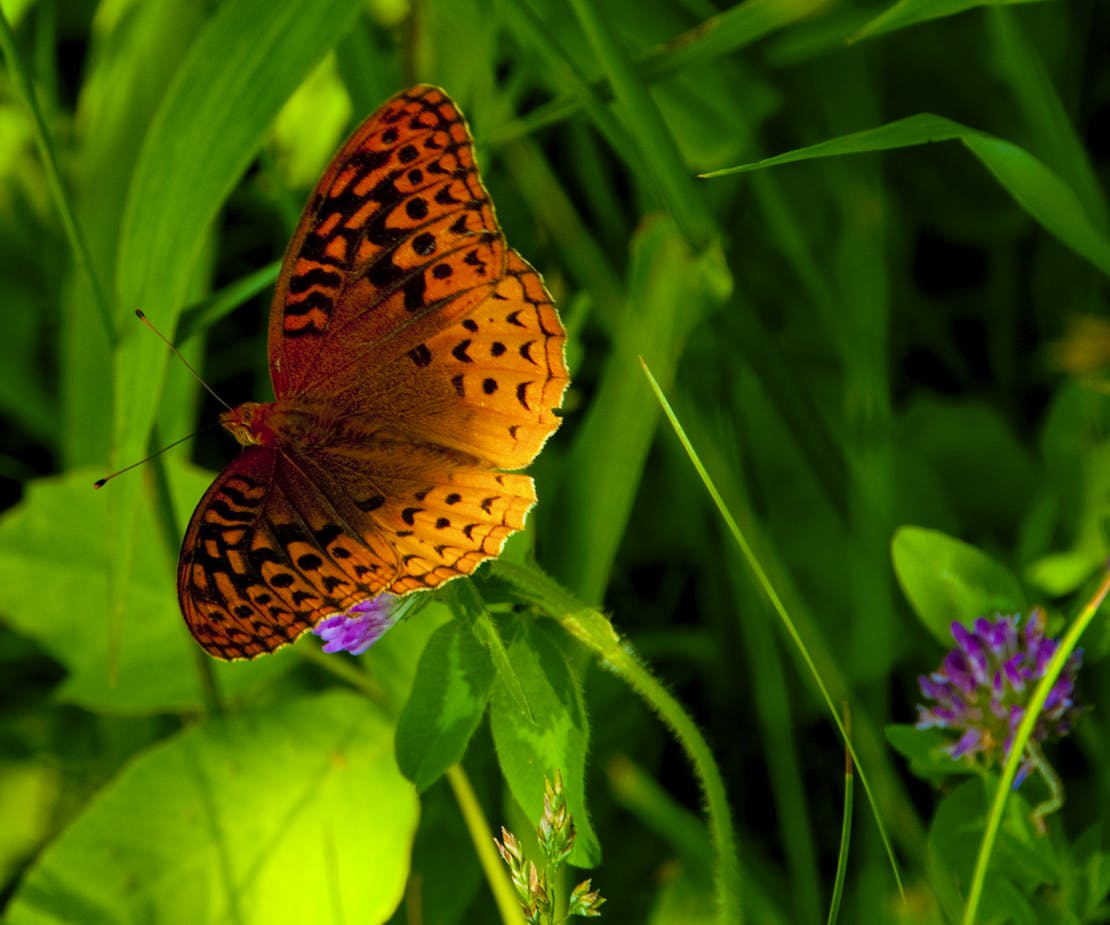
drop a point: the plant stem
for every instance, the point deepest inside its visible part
(1055, 787)
(480, 835)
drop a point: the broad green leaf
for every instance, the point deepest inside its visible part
(947, 580)
(449, 696)
(557, 739)
(294, 813)
(1035, 187)
(471, 609)
(54, 566)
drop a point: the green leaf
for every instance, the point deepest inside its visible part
(449, 695)
(1089, 868)
(54, 567)
(295, 813)
(945, 579)
(1022, 862)
(1035, 187)
(471, 609)
(923, 748)
(556, 740)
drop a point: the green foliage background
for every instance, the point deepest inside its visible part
(877, 330)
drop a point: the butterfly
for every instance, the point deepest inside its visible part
(416, 361)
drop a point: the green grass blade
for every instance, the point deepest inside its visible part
(1052, 128)
(668, 291)
(202, 315)
(845, 831)
(906, 13)
(22, 80)
(737, 27)
(656, 148)
(1036, 188)
(776, 602)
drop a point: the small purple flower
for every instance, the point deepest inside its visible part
(359, 626)
(983, 685)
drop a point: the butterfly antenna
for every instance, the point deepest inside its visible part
(177, 353)
(100, 483)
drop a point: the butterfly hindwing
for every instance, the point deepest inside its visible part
(265, 556)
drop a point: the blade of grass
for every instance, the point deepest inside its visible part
(737, 27)
(655, 147)
(1036, 188)
(530, 27)
(906, 13)
(773, 709)
(845, 828)
(43, 141)
(129, 64)
(776, 602)
(578, 249)
(202, 315)
(1023, 68)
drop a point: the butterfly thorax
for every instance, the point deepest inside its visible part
(280, 423)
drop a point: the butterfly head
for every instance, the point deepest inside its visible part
(248, 424)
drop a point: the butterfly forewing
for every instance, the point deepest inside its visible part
(400, 230)
(414, 357)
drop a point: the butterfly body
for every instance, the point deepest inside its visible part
(416, 360)
(286, 424)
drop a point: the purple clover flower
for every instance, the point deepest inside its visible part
(358, 627)
(982, 687)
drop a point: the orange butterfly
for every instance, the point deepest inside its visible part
(414, 356)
